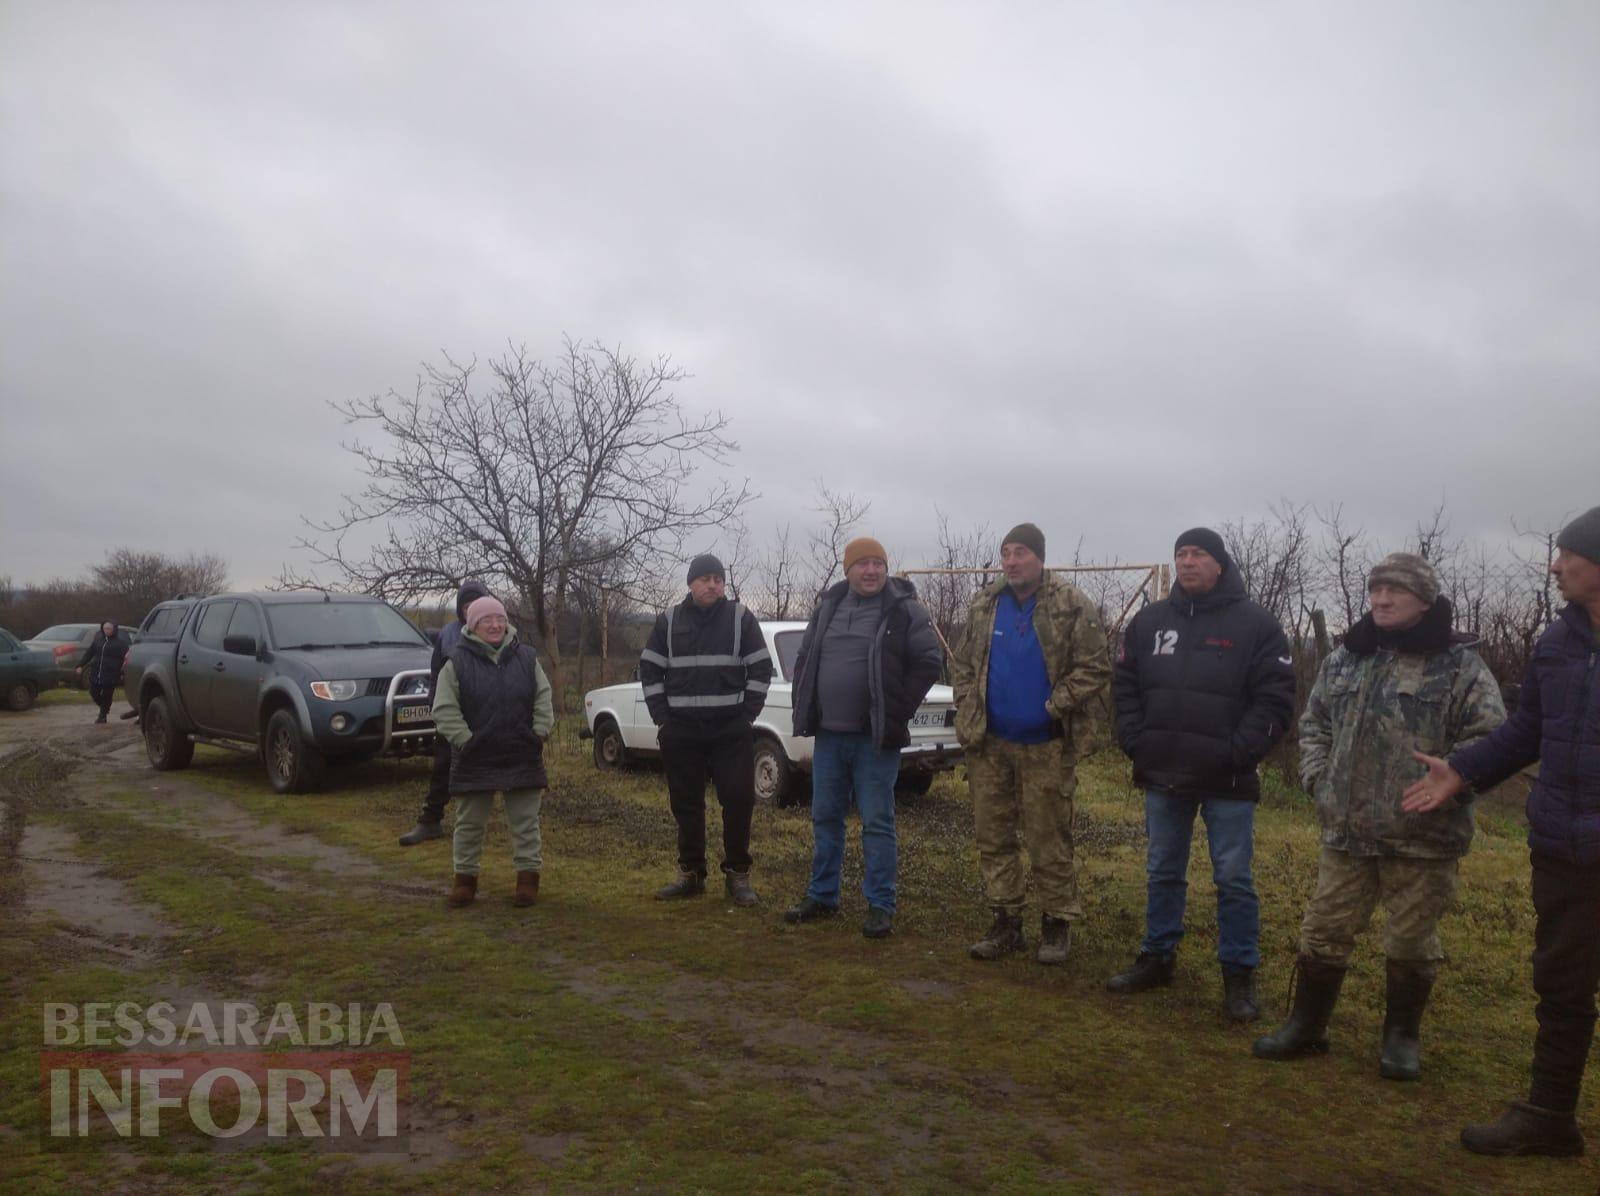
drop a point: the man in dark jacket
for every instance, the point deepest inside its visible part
(1557, 723)
(102, 666)
(705, 672)
(1204, 688)
(866, 661)
(430, 821)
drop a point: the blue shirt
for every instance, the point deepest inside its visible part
(1018, 685)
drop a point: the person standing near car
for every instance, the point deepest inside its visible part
(1204, 688)
(102, 666)
(867, 659)
(1032, 657)
(705, 672)
(430, 823)
(493, 705)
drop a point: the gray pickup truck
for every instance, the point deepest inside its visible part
(297, 677)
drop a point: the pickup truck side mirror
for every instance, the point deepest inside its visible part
(239, 645)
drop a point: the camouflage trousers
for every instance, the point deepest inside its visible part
(1415, 893)
(1030, 785)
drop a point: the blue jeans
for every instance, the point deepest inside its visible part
(1230, 830)
(841, 766)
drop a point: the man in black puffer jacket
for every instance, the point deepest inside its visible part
(1204, 688)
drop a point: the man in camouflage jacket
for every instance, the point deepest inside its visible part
(1033, 655)
(1397, 684)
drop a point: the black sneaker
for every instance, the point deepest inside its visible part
(879, 923)
(809, 910)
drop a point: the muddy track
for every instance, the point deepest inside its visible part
(67, 762)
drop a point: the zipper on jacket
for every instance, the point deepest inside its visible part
(1577, 741)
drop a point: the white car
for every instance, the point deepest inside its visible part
(618, 721)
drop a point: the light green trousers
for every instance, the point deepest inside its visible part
(522, 813)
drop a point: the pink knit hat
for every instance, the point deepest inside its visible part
(482, 608)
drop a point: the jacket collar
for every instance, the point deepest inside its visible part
(1431, 635)
(895, 590)
(1229, 589)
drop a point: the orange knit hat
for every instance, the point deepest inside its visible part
(862, 547)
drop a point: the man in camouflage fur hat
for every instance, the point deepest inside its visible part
(1397, 684)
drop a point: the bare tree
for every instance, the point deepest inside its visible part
(779, 569)
(1270, 554)
(544, 477)
(841, 513)
(136, 581)
(1344, 562)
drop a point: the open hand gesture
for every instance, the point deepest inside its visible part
(1432, 791)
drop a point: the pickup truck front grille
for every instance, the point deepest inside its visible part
(378, 687)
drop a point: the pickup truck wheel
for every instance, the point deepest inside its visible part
(914, 784)
(775, 776)
(164, 744)
(293, 765)
(610, 753)
(19, 697)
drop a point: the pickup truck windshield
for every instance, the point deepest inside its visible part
(340, 625)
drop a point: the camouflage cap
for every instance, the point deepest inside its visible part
(1408, 571)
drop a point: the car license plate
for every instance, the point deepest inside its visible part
(413, 714)
(928, 718)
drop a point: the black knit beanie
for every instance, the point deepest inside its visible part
(1206, 540)
(1027, 535)
(1582, 535)
(703, 564)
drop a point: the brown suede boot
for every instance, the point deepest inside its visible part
(527, 888)
(463, 891)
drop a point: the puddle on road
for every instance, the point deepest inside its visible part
(61, 885)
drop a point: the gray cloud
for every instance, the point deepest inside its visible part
(1116, 268)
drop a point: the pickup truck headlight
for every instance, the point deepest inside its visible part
(336, 691)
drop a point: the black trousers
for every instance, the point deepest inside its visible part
(438, 783)
(102, 695)
(724, 752)
(1566, 974)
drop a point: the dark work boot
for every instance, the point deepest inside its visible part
(1055, 940)
(688, 884)
(1408, 989)
(102, 717)
(421, 833)
(527, 889)
(1526, 1129)
(463, 891)
(1004, 936)
(1148, 971)
(808, 909)
(737, 885)
(1316, 991)
(1239, 993)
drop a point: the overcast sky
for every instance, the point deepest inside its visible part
(1118, 268)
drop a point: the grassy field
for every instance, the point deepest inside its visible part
(604, 1041)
